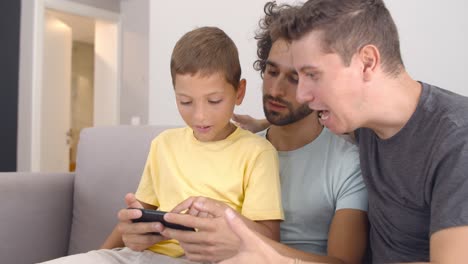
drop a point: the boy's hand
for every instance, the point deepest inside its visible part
(135, 235)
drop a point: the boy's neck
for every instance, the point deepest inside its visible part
(295, 135)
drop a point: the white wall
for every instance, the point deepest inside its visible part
(135, 61)
(169, 20)
(106, 97)
(434, 41)
(433, 38)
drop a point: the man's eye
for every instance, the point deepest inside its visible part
(272, 73)
(185, 102)
(310, 75)
(214, 101)
(293, 79)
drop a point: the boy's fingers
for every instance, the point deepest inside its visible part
(132, 201)
(186, 204)
(189, 220)
(128, 214)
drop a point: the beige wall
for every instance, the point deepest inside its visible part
(82, 90)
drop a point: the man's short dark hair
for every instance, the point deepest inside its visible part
(347, 26)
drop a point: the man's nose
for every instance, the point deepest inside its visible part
(304, 94)
(277, 87)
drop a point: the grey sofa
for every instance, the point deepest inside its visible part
(49, 215)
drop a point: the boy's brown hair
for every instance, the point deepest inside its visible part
(206, 51)
(347, 26)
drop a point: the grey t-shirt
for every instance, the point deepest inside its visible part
(317, 180)
(418, 179)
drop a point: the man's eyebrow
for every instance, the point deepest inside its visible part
(274, 64)
(271, 63)
(307, 67)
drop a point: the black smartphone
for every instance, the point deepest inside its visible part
(148, 215)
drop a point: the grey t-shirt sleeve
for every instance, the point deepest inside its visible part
(449, 204)
(352, 193)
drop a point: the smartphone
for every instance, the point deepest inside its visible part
(148, 215)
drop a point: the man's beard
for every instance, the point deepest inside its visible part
(292, 116)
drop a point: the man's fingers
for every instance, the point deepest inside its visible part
(248, 238)
(241, 118)
(132, 201)
(210, 206)
(235, 117)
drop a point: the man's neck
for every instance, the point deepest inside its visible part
(394, 104)
(296, 135)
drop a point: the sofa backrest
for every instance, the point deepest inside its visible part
(110, 162)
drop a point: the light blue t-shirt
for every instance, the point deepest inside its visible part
(317, 180)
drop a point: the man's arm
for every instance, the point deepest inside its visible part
(450, 245)
(255, 248)
(347, 240)
(249, 123)
(215, 241)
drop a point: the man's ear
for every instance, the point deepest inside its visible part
(241, 91)
(369, 56)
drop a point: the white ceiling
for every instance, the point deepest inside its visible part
(82, 27)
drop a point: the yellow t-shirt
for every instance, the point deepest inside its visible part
(241, 171)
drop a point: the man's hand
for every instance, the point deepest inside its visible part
(135, 235)
(249, 123)
(213, 241)
(253, 248)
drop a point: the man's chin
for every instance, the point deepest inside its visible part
(278, 122)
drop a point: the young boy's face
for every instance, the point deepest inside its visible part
(206, 104)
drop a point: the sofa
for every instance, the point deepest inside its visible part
(49, 215)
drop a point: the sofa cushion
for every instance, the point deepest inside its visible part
(36, 216)
(110, 162)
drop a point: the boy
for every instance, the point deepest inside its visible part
(210, 157)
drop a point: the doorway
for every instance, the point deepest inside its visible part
(78, 81)
(80, 99)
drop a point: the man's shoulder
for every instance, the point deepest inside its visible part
(446, 106)
(341, 145)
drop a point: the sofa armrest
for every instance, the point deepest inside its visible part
(36, 216)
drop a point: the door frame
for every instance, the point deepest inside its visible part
(29, 122)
